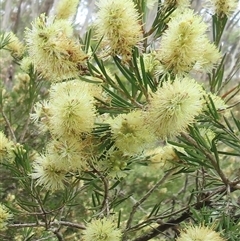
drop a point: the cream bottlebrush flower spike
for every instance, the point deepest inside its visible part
(25, 64)
(70, 154)
(218, 102)
(151, 63)
(118, 23)
(52, 49)
(174, 106)
(207, 134)
(71, 108)
(208, 58)
(47, 172)
(130, 133)
(163, 154)
(184, 43)
(199, 233)
(5, 147)
(222, 7)
(4, 217)
(40, 115)
(102, 230)
(15, 46)
(66, 9)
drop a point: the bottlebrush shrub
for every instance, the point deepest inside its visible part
(126, 133)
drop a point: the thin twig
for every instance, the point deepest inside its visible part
(229, 92)
(9, 126)
(144, 198)
(73, 225)
(105, 202)
(39, 202)
(58, 235)
(183, 190)
(197, 204)
(134, 201)
(25, 225)
(161, 228)
(42, 224)
(185, 215)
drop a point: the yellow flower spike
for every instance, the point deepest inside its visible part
(4, 217)
(199, 233)
(222, 7)
(66, 9)
(15, 46)
(163, 156)
(25, 64)
(71, 108)
(40, 115)
(209, 57)
(151, 64)
(208, 135)
(174, 106)
(130, 133)
(218, 102)
(54, 52)
(184, 43)
(102, 230)
(5, 147)
(118, 23)
(70, 153)
(47, 172)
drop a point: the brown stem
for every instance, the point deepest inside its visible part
(143, 199)
(58, 235)
(229, 92)
(163, 227)
(105, 202)
(9, 126)
(42, 224)
(186, 214)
